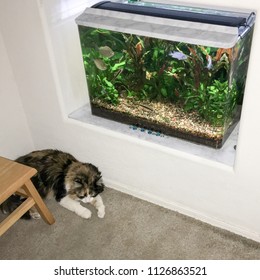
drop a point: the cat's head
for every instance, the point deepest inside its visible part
(83, 181)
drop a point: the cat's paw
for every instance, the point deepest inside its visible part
(86, 214)
(101, 212)
(35, 215)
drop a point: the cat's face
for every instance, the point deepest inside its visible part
(83, 181)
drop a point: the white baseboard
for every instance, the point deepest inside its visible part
(184, 210)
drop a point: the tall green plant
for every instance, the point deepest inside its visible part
(142, 68)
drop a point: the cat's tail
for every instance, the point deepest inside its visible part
(13, 202)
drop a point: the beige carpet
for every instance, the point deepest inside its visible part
(131, 229)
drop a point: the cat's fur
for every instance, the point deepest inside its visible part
(69, 180)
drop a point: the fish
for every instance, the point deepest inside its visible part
(209, 62)
(106, 51)
(100, 64)
(178, 55)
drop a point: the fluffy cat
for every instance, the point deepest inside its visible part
(70, 181)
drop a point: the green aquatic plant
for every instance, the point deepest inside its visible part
(102, 64)
(120, 65)
(222, 102)
(214, 103)
(156, 65)
(101, 74)
(202, 82)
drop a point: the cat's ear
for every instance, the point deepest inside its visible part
(98, 176)
(99, 187)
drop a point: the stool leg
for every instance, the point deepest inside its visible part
(16, 215)
(39, 204)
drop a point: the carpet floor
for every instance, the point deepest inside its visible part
(132, 229)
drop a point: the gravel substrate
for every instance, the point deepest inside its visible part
(167, 114)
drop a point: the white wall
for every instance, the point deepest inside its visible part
(15, 137)
(46, 62)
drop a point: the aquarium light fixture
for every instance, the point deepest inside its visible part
(171, 22)
(176, 12)
(243, 21)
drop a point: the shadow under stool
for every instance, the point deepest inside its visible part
(15, 178)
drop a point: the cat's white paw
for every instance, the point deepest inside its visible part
(35, 215)
(86, 214)
(101, 212)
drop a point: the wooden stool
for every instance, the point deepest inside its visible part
(15, 178)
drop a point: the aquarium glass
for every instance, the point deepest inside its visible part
(194, 92)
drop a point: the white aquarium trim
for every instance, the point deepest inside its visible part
(168, 29)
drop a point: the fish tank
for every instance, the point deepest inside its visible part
(175, 69)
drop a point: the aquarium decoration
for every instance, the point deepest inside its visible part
(136, 127)
(176, 70)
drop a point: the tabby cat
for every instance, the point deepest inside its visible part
(69, 180)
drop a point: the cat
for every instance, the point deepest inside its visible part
(69, 180)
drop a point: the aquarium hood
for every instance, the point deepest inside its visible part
(199, 26)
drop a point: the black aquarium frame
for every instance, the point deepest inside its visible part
(226, 20)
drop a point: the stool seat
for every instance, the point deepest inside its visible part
(16, 178)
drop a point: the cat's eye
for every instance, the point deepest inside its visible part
(78, 181)
(81, 196)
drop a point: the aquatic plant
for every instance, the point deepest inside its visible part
(196, 78)
(203, 84)
(102, 65)
(214, 103)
